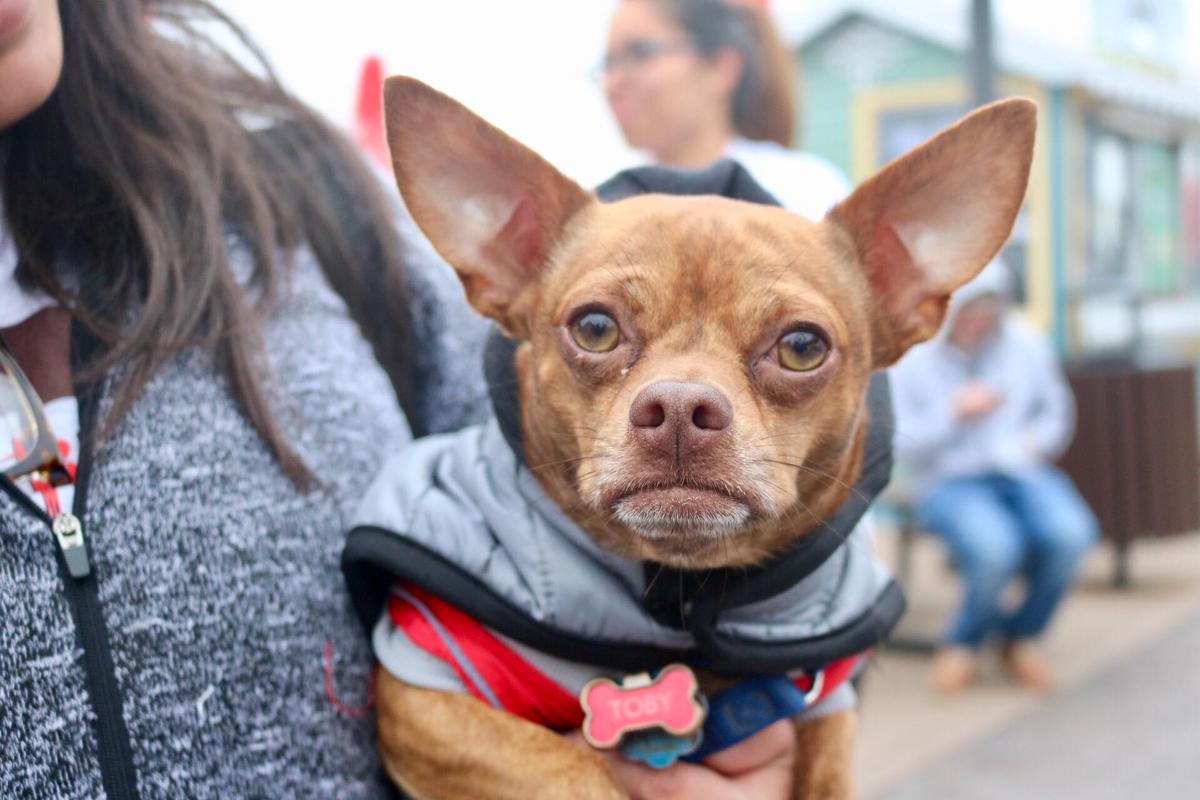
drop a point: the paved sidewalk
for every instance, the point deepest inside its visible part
(1132, 731)
(909, 733)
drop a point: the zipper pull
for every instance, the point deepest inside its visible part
(69, 532)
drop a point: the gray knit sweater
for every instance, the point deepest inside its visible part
(218, 579)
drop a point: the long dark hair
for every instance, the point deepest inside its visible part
(764, 101)
(145, 160)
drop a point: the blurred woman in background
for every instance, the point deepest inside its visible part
(694, 81)
(209, 302)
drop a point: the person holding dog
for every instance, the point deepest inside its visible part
(206, 319)
(981, 414)
(694, 81)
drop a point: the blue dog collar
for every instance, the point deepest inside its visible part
(748, 707)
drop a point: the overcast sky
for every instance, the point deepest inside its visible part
(526, 65)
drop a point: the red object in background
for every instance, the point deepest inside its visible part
(368, 111)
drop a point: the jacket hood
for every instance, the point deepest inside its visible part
(995, 279)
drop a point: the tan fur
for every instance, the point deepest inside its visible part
(825, 758)
(440, 746)
(702, 288)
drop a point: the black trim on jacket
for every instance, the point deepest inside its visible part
(374, 557)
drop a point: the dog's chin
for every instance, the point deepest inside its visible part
(679, 521)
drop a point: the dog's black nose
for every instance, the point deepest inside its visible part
(680, 417)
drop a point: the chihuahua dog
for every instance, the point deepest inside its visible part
(683, 362)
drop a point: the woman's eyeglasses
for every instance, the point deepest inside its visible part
(637, 53)
(27, 444)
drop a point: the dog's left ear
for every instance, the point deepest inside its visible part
(931, 220)
(491, 206)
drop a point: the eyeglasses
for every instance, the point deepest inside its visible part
(637, 53)
(27, 443)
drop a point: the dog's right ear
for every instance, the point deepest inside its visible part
(491, 206)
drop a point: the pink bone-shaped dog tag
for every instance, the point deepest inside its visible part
(668, 702)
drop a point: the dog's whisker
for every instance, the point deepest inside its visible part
(818, 473)
(823, 523)
(563, 462)
(653, 580)
(898, 432)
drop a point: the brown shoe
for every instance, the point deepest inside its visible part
(954, 669)
(1028, 667)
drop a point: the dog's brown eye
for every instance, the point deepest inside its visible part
(802, 351)
(596, 332)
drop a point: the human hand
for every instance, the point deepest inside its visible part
(760, 767)
(975, 400)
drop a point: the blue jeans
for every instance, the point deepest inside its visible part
(998, 526)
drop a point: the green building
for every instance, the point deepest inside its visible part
(1108, 243)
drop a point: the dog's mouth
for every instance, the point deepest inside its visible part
(682, 510)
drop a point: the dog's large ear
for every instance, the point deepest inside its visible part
(929, 221)
(491, 206)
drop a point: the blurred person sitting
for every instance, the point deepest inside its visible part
(694, 81)
(981, 412)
